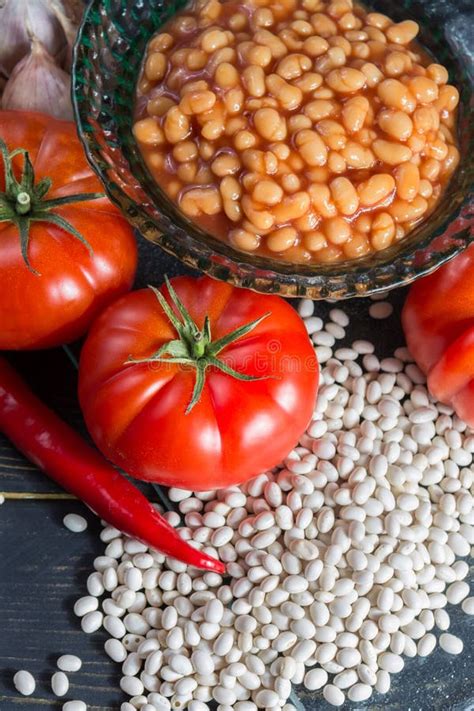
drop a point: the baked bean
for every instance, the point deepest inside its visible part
(396, 63)
(225, 164)
(226, 75)
(254, 80)
(407, 178)
(307, 222)
(448, 98)
(315, 240)
(159, 106)
(344, 196)
(376, 19)
(313, 130)
(396, 95)
(437, 149)
(404, 211)
(197, 102)
(267, 192)
(311, 147)
(308, 82)
(402, 32)
(320, 109)
(262, 219)
(372, 73)
(282, 239)
(356, 246)
(375, 189)
(423, 89)
(396, 123)
(383, 231)
(430, 169)
(244, 139)
(234, 100)
(336, 163)
(298, 122)
(289, 96)
(246, 241)
(357, 156)
(438, 73)
(336, 230)
(155, 66)
(148, 132)
(425, 189)
(196, 59)
(230, 188)
(321, 199)
(185, 151)
(293, 66)
(315, 46)
(426, 119)
(292, 207)
(354, 113)
(290, 183)
(323, 25)
(214, 39)
(197, 201)
(270, 124)
(161, 42)
(274, 43)
(391, 153)
(259, 55)
(346, 80)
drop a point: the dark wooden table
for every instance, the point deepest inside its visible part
(44, 567)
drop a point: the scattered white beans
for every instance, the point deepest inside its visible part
(450, 643)
(59, 684)
(74, 706)
(341, 561)
(75, 523)
(381, 310)
(24, 682)
(69, 663)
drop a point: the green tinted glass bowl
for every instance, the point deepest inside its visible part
(108, 55)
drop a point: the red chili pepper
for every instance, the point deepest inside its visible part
(60, 452)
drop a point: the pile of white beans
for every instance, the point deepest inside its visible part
(341, 561)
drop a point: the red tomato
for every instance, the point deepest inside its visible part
(56, 299)
(136, 412)
(438, 320)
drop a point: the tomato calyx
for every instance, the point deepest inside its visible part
(24, 202)
(194, 346)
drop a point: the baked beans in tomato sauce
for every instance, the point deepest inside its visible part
(307, 130)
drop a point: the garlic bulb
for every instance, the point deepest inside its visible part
(19, 19)
(38, 84)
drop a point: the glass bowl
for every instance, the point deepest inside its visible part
(108, 55)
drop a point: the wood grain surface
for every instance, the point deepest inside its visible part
(44, 567)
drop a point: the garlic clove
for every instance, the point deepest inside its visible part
(19, 19)
(38, 84)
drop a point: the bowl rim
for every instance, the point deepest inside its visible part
(166, 226)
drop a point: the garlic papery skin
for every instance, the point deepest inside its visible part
(19, 20)
(38, 84)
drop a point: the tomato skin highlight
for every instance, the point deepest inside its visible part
(135, 412)
(72, 285)
(438, 321)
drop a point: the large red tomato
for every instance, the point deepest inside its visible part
(182, 415)
(438, 320)
(52, 284)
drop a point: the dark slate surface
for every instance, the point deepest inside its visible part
(43, 566)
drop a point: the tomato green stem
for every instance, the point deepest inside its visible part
(23, 201)
(194, 346)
